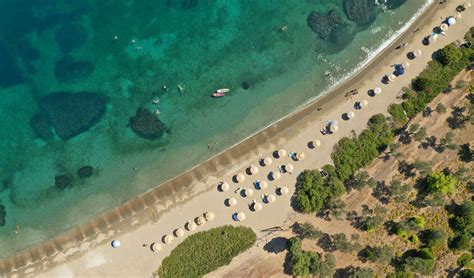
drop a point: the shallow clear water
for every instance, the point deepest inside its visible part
(127, 51)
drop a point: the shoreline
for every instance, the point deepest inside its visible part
(130, 212)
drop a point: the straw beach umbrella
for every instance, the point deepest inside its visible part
(167, 239)
(231, 202)
(392, 77)
(334, 128)
(256, 206)
(444, 27)
(200, 220)
(289, 167)
(253, 169)
(247, 192)
(467, 5)
(270, 199)
(115, 243)
(417, 53)
(316, 143)
(179, 232)
(191, 226)
(433, 38)
(300, 156)
(451, 21)
(156, 247)
(377, 90)
(281, 153)
(405, 64)
(267, 161)
(209, 216)
(240, 177)
(239, 216)
(350, 115)
(283, 190)
(224, 186)
(262, 184)
(276, 175)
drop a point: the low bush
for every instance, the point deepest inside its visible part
(206, 251)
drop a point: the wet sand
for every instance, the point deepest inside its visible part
(85, 250)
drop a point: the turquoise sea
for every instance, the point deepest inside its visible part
(74, 72)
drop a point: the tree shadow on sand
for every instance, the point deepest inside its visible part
(276, 245)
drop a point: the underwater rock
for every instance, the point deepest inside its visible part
(41, 126)
(394, 4)
(68, 70)
(245, 85)
(360, 11)
(73, 113)
(10, 73)
(85, 172)
(70, 36)
(62, 181)
(3, 214)
(324, 24)
(147, 125)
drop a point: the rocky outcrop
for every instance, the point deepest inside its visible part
(360, 11)
(68, 70)
(69, 113)
(147, 125)
(324, 24)
(85, 171)
(3, 214)
(62, 181)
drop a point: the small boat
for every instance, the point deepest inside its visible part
(220, 92)
(156, 101)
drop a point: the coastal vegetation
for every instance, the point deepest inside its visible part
(204, 252)
(420, 219)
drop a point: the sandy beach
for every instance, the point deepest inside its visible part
(85, 251)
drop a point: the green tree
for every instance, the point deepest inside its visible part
(439, 182)
(423, 167)
(420, 84)
(313, 191)
(398, 191)
(447, 141)
(398, 114)
(450, 55)
(328, 267)
(420, 135)
(433, 238)
(419, 265)
(400, 274)
(466, 273)
(381, 254)
(357, 272)
(307, 230)
(461, 241)
(464, 260)
(414, 128)
(440, 108)
(463, 220)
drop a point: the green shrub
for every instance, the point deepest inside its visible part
(466, 273)
(461, 241)
(306, 263)
(381, 254)
(415, 223)
(413, 239)
(398, 115)
(314, 191)
(206, 251)
(465, 260)
(357, 272)
(450, 55)
(438, 182)
(433, 238)
(400, 274)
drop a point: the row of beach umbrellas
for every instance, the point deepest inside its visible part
(180, 232)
